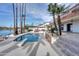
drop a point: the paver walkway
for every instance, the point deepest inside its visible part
(67, 44)
(41, 48)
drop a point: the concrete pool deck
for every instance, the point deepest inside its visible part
(40, 48)
(65, 45)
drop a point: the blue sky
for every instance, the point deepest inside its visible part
(36, 13)
(5, 14)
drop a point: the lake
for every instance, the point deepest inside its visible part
(5, 32)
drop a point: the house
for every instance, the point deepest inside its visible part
(70, 20)
(43, 26)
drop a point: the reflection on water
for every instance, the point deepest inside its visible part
(6, 32)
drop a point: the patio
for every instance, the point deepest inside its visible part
(41, 48)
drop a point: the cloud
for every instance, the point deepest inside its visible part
(39, 11)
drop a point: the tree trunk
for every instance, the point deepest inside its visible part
(24, 24)
(21, 25)
(14, 18)
(59, 25)
(55, 22)
(24, 16)
(21, 18)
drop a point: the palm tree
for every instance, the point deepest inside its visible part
(60, 9)
(24, 15)
(14, 16)
(16, 19)
(21, 17)
(52, 10)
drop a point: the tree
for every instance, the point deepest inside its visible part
(15, 18)
(60, 9)
(24, 16)
(56, 9)
(52, 10)
(21, 18)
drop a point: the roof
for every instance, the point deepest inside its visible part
(73, 12)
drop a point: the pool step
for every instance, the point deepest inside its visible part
(22, 42)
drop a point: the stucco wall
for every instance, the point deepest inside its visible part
(74, 26)
(65, 27)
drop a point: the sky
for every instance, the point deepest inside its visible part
(36, 13)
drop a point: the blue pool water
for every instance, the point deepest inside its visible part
(30, 37)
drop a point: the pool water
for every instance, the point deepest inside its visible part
(30, 37)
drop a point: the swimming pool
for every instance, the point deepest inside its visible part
(30, 37)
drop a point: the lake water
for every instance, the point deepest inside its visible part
(5, 32)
